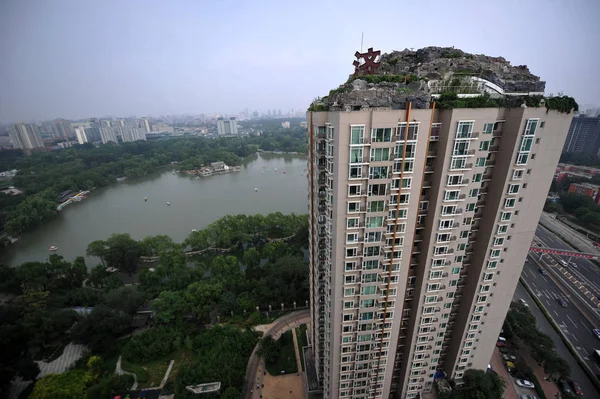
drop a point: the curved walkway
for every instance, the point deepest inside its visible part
(119, 371)
(255, 371)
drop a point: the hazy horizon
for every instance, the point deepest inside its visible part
(70, 59)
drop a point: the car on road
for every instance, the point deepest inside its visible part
(563, 302)
(525, 384)
(562, 262)
(528, 397)
(523, 302)
(543, 272)
(596, 332)
(564, 385)
(573, 264)
(576, 388)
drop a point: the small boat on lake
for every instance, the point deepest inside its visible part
(146, 199)
(255, 189)
(53, 248)
(168, 203)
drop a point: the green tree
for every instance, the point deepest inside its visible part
(68, 385)
(231, 393)
(101, 328)
(126, 299)
(477, 384)
(109, 386)
(268, 349)
(123, 253)
(170, 307)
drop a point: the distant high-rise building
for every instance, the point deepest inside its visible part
(255, 114)
(80, 135)
(226, 127)
(269, 113)
(584, 135)
(420, 223)
(133, 134)
(285, 125)
(278, 112)
(108, 134)
(25, 136)
(62, 128)
(146, 125)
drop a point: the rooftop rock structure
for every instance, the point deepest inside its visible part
(419, 76)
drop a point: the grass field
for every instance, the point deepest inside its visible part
(150, 374)
(286, 358)
(301, 336)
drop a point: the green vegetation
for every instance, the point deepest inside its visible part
(476, 384)
(43, 176)
(406, 79)
(450, 99)
(580, 208)
(203, 304)
(579, 158)
(281, 358)
(520, 322)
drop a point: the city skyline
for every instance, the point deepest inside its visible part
(154, 67)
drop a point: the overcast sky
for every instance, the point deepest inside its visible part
(76, 59)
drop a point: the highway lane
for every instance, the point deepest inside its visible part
(585, 272)
(577, 373)
(571, 321)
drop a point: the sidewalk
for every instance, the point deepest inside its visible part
(298, 363)
(498, 366)
(550, 388)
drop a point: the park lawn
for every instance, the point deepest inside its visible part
(301, 336)
(286, 358)
(153, 372)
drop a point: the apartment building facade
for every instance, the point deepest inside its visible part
(420, 221)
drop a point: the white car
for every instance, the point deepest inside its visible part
(562, 262)
(523, 302)
(596, 332)
(525, 384)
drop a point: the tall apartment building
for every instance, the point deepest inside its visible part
(584, 135)
(62, 128)
(227, 127)
(420, 222)
(25, 136)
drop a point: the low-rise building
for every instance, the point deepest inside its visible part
(587, 189)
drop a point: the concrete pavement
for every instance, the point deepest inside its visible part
(577, 240)
(256, 366)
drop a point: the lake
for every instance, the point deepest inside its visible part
(120, 208)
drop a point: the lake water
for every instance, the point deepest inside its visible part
(195, 203)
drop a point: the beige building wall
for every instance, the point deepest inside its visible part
(386, 325)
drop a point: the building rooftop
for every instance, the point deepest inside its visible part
(444, 74)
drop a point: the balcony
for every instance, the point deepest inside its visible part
(494, 148)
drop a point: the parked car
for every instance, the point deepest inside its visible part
(509, 358)
(596, 332)
(522, 301)
(543, 272)
(563, 302)
(576, 388)
(564, 385)
(525, 384)
(504, 350)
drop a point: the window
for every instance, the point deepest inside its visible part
(542, 124)
(400, 214)
(484, 145)
(404, 198)
(413, 130)
(477, 177)
(354, 190)
(380, 154)
(464, 129)
(348, 304)
(381, 135)
(376, 206)
(348, 291)
(351, 252)
(373, 236)
(498, 241)
(353, 207)
(488, 128)
(464, 233)
(370, 264)
(461, 247)
(374, 222)
(410, 151)
(503, 228)
(488, 276)
(355, 172)
(473, 192)
(514, 188)
(451, 195)
(440, 250)
(458, 163)
(471, 207)
(495, 253)
(446, 224)
(505, 216)
(448, 210)
(348, 279)
(367, 303)
(443, 237)
(357, 134)
(455, 270)
(437, 263)
(352, 223)
(517, 174)
(480, 161)
(454, 180)
(531, 127)
(458, 259)
(522, 158)
(356, 154)
(371, 251)
(378, 172)
(509, 203)
(461, 148)
(368, 290)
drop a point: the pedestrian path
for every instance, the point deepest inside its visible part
(296, 350)
(119, 371)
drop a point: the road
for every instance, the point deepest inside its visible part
(255, 371)
(577, 374)
(585, 274)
